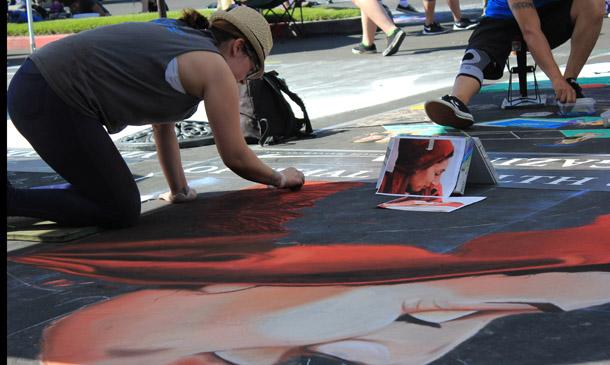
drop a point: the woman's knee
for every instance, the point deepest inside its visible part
(124, 218)
(125, 213)
(131, 216)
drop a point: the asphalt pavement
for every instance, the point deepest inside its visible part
(129, 7)
(350, 98)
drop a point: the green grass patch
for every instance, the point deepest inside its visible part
(65, 26)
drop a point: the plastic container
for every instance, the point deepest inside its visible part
(606, 116)
(582, 106)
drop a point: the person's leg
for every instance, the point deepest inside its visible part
(485, 57)
(429, 6)
(454, 6)
(224, 4)
(459, 22)
(369, 28)
(464, 88)
(452, 110)
(102, 189)
(431, 27)
(373, 10)
(587, 18)
(373, 15)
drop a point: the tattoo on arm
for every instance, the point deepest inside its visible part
(522, 5)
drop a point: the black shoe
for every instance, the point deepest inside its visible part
(449, 111)
(576, 87)
(406, 9)
(394, 42)
(434, 28)
(362, 49)
(464, 24)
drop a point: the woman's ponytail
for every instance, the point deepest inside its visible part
(194, 19)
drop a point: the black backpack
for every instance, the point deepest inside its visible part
(266, 115)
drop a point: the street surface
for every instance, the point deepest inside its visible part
(326, 259)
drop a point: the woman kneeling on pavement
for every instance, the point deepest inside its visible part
(155, 73)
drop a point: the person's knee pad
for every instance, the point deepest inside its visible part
(474, 63)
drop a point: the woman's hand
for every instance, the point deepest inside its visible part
(186, 195)
(290, 178)
(209, 77)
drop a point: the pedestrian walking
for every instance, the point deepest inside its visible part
(432, 27)
(373, 15)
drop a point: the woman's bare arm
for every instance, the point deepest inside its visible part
(206, 75)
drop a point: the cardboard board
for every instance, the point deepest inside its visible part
(46, 231)
(433, 166)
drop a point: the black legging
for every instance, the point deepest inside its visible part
(102, 190)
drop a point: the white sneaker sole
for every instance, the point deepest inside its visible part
(444, 113)
(467, 28)
(423, 32)
(365, 52)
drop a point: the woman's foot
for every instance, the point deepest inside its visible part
(394, 41)
(362, 49)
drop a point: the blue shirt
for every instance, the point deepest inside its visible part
(500, 9)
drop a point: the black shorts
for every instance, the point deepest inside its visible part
(495, 36)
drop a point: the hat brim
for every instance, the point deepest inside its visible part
(250, 37)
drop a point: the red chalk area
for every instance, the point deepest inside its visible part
(237, 246)
(22, 43)
(592, 86)
(59, 283)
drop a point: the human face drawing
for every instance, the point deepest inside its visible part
(262, 325)
(427, 178)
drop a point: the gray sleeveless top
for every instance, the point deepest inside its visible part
(116, 73)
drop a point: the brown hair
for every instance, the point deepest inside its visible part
(413, 154)
(194, 19)
(221, 29)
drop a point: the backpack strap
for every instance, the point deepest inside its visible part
(294, 97)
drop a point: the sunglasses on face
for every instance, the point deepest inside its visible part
(252, 55)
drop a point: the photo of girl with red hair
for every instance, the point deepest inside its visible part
(418, 167)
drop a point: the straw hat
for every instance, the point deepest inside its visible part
(254, 26)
